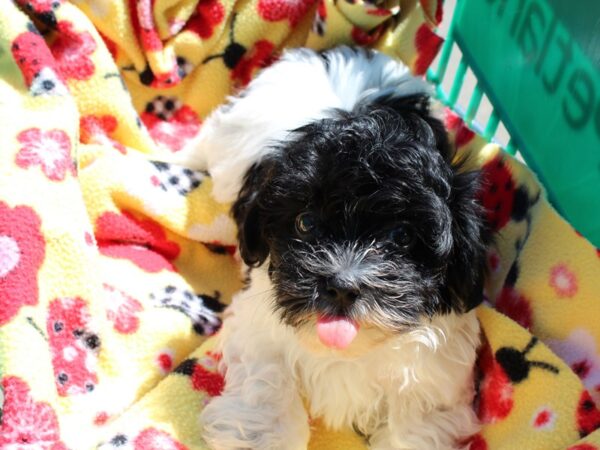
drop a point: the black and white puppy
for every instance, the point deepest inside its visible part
(368, 247)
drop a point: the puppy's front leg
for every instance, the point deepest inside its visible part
(259, 409)
(440, 429)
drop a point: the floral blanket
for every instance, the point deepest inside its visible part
(114, 266)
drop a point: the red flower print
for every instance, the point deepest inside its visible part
(276, 10)
(462, 134)
(22, 250)
(427, 44)
(207, 381)
(515, 306)
(583, 447)
(260, 56)
(588, 415)
(498, 193)
(164, 361)
(543, 419)
(478, 443)
(495, 390)
(154, 439)
(72, 52)
(208, 15)
(51, 150)
(73, 346)
(97, 129)
(142, 241)
(366, 38)
(121, 310)
(27, 424)
(563, 281)
(175, 131)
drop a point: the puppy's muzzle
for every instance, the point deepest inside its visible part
(338, 292)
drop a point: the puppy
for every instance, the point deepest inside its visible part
(367, 249)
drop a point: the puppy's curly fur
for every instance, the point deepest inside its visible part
(349, 204)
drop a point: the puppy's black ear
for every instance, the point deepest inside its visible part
(415, 109)
(463, 289)
(470, 234)
(249, 215)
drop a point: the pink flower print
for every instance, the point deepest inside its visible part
(51, 150)
(72, 52)
(154, 439)
(97, 129)
(121, 310)
(276, 10)
(563, 280)
(22, 251)
(27, 424)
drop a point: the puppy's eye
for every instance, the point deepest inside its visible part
(305, 224)
(403, 236)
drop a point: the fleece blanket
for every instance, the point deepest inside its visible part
(114, 266)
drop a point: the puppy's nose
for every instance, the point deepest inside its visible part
(336, 291)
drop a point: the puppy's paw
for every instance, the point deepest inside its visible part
(230, 424)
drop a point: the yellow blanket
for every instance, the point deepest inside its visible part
(113, 268)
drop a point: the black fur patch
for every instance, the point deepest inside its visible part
(383, 194)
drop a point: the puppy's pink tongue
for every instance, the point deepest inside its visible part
(336, 332)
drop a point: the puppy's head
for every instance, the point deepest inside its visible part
(365, 217)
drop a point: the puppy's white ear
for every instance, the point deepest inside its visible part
(291, 93)
(303, 86)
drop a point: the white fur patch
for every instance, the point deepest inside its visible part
(412, 390)
(277, 101)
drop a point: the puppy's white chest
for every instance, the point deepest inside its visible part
(343, 393)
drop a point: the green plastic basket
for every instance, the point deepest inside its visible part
(538, 63)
